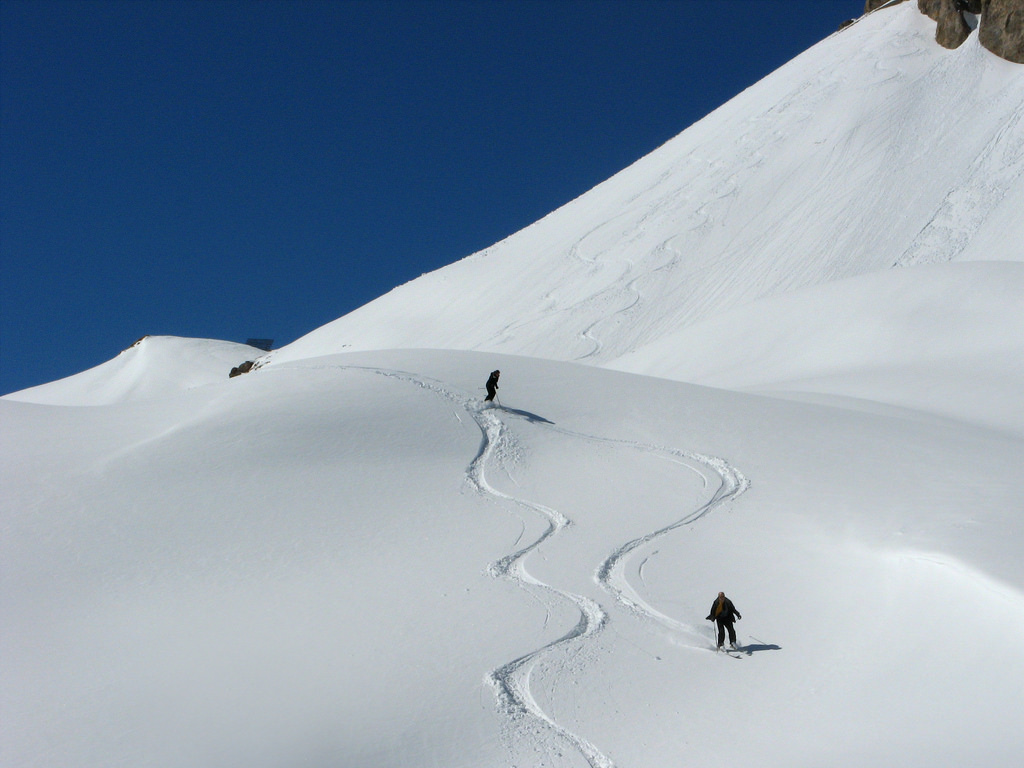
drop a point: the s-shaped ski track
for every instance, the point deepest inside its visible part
(610, 574)
(511, 681)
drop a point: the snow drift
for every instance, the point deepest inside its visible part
(151, 367)
(944, 339)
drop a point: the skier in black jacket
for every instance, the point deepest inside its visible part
(723, 613)
(492, 385)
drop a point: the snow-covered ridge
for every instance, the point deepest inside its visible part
(874, 151)
(152, 367)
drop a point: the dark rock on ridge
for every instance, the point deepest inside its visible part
(238, 370)
(951, 30)
(1002, 28)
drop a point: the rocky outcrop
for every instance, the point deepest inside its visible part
(238, 370)
(934, 8)
(951, 29)
(1002, 28)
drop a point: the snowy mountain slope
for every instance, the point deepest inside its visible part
(874, 149)
(945, 339)
(154, 366)
(348, 561)
(345, 559)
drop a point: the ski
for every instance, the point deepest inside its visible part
(735, 653)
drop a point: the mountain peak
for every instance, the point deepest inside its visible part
(1000, 23)
(875, 149)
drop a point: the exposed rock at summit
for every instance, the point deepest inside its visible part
(1002, 28)
(951, 28)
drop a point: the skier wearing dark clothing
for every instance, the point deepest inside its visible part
(492, 385)
(723, 613)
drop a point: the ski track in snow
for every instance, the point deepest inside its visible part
(511, 681)
(611, 573)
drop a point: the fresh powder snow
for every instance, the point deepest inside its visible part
(780, 357)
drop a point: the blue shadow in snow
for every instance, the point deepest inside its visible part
(758, 647)
(531, 417)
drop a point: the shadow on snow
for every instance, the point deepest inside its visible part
(752, 648)
(531, 417)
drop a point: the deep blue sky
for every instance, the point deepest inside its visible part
(256, 169)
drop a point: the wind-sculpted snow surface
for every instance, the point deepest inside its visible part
(152, 367)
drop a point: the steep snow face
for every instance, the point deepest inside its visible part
(153, 367)
(873, 150)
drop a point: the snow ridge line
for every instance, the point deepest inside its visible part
(511, 681)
